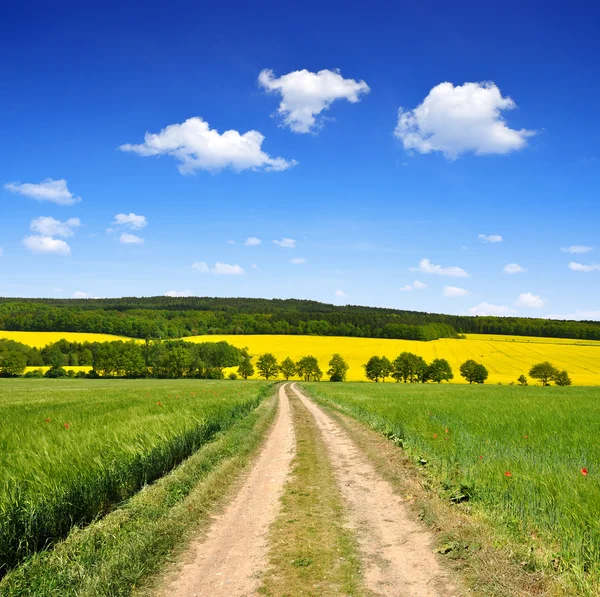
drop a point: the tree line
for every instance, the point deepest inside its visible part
(168, 317)
(156, 358)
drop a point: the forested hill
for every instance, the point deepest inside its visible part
(166, 317)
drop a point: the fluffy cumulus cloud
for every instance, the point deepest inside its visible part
(286, 243)
(178, 293)
(454, 291)
(582, 267)
(252, 241)
(55, 191)
(131, 221)
(79, 294)
(416, 285)
(484, 309)
(490, 238)
(528, 299)
(579, 314)
(220, 268)
(305, 95)
(40, 244)
(461, 119)
(513, 268)
(130, 239)
(340, 293)
(426, 267)
(47, 226)
(198, 147)
(298, 260)
(577, 249)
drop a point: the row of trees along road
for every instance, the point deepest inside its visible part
(307, 368)
(409, 368)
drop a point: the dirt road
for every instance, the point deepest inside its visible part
(395, 550)
(228, 561)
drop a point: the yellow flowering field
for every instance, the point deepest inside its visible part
(506, 357)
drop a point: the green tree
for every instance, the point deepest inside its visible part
(308, 368)
(562, 378)
(408, 367)
(440, 370)
(267, 366)
(522, 380)
(12, 364)
(338, 368)
(373, 369)
(481, 373)
(287, 368)
(473, 371)
(246, 369)
(386, 368)
(545, 372)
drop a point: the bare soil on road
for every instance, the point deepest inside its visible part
(397, 551)
(229, 560)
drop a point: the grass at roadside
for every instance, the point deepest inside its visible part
(495, 560)
(118, 555)
(311, 553)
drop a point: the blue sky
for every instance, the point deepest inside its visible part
(497, 137)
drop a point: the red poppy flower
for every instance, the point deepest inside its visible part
(525, 437)
(480, 456)
(584, 471)
(66, 425)
(508, 474)
(447, 431)
(47, 420)
(435, 436)
(159, 403)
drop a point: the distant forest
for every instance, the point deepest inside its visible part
(166, 317)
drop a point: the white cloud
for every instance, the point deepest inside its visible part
(200, 266)
(131, 221)
(580, 267)
(219, 268)
(231, 242)
(79, 294)
(198, 147)
(527, 299)
(416, 285)
(46, 244)
(178, 293)
(427, 267)
(454, 291)
(577, 249)
(47, 226)
(514, 268)
(488, 309)
(55, 191)
(130, 239)
(254, 266)
(456, 120)
(490, 238)
(298, 260)
(340, 294)
(288, 243)
(252, 241)
(304, 95)
(226, 269)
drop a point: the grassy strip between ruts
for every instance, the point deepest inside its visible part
(492, 563)
(311, 550)
(119, 554)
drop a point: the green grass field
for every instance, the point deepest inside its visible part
(71, 450)
(515, 454)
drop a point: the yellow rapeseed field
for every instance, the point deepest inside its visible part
(506, 357)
